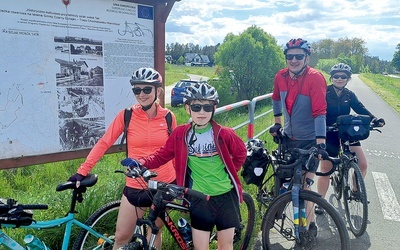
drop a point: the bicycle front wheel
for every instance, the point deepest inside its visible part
(278, 230)
(355, 200)
(103, 221)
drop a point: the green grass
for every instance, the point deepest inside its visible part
(388, 88)
(174, 73)
(36, 184)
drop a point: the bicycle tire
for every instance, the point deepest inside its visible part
(356, 207)
(102, 221)
(248, 216)
(336, 181)
(278, 225)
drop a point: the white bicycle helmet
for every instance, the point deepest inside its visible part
(146, 76)
(298, 44)
(341, 67)
(201, 91)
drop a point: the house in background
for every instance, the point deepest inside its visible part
(194, 59)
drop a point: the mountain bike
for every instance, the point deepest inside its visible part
(285, 222)
(346, 177)
(169, 203)
(15, 215)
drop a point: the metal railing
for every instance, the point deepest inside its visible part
(251, 116)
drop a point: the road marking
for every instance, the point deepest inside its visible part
(387, 197)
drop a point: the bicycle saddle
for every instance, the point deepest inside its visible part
(88, 181)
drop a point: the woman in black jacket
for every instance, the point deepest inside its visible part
(340, 100)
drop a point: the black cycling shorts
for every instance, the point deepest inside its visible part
(288, 143)
(139, 197)
(333, 143)
(221, 211)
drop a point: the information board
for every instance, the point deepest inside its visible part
(65, 69)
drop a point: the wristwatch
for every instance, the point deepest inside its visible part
(322, 146)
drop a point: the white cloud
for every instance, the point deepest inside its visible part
(207, 22)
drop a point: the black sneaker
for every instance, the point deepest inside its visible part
(318, 210)
(312, 230)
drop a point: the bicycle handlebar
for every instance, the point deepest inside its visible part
(11, 204)
(312, 152)
(174, 191)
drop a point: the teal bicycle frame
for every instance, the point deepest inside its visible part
(69, 220)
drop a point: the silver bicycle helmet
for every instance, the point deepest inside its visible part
(298, 44)
(146, 76)
(341, 67)
(201, 91)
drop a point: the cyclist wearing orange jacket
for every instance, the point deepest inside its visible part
(147, 132)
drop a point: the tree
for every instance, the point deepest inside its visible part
(249, 62)
(396, 58)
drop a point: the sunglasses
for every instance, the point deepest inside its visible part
(198, 107)
(298, 56)
(344, 77)
(147, 90)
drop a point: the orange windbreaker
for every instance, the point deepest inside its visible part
(145, 136)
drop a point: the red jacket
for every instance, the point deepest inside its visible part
(230, 147)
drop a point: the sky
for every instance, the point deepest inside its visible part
(207, 22)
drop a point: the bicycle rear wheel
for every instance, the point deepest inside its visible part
(103, 221)
(248, 215)
(355, 200)
(278, 225)
(336, 182)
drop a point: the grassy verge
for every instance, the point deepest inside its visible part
(388, 88)
(174, 73)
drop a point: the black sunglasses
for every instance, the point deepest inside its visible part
(344, 77)
(206, 107)
(147, 90)
(298, 56)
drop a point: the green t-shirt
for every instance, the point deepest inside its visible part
(208, 171)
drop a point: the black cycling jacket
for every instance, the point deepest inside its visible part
(341, 105)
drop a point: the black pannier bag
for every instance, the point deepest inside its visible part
(353, 127)
(257, 160)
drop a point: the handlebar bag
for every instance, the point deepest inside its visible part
(353, 127)
(257, 160)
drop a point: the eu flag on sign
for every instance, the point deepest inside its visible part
(145, 12)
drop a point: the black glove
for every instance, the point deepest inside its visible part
(322, 151)
(130, 162)
(76, 177)
(378, 122)
(276, 128)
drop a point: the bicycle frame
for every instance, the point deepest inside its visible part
(69, 222)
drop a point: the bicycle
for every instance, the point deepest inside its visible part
(15, 215)
(284, 224)
(169, 199)
(346, 177)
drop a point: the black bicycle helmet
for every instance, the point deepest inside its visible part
(341, 67)
(298, 44)
(146, 76)
(201, 91)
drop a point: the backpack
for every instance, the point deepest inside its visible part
(127, 119)
(257, 160)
